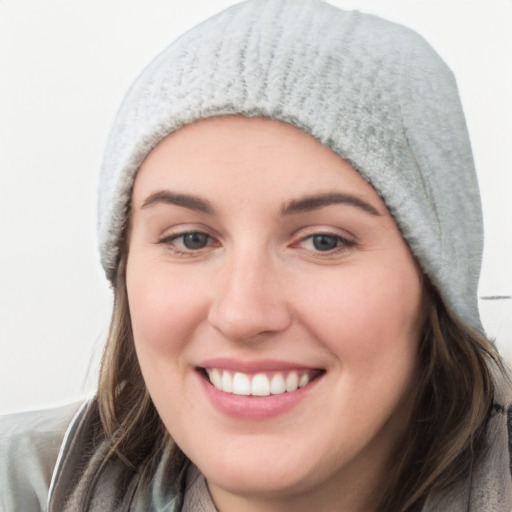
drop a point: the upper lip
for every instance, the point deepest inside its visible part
(261, 365)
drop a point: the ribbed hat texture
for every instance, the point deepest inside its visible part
(373, 91)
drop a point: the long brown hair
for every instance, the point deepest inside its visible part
(454, 396)
(443, 441)
(127, 414)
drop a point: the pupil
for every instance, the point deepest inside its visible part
(195, 240)
(325, 242)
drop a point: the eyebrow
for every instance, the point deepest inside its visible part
(315, 202)
(304, 204)
(186, 201)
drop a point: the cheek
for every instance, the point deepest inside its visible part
(368, 316)
(164, 307)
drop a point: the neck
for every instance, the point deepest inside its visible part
(342, 493)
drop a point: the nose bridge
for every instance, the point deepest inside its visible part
(249, 300)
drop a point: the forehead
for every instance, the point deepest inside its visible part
(252, 156)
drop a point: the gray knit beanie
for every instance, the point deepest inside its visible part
(374, 92)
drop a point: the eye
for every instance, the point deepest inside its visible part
(194, 241)
(188, 243)
(325, 242)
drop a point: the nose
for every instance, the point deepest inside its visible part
(250, 303)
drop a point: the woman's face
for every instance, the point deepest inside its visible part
(259, 257)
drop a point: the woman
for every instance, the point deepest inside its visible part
(290, 220)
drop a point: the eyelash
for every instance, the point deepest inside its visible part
(342, 243)
(170, 242)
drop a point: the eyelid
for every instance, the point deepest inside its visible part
(347, 241)
(183, 229)
(177, 232)
(343, 239)
(309, 231)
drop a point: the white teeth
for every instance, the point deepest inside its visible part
(303, 380)
(227, 382)
(260, 386)
(292, 382)
(241, 384)
(257, 385)
(277, 385)
(215, 378)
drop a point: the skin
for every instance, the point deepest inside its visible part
(261, 289)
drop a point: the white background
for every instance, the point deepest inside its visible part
(64, 66)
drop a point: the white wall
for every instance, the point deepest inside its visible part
(64, 66)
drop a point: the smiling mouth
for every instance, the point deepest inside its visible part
(260, 384)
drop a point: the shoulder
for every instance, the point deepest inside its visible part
(29, 447)
(491, 487)
(502, 410)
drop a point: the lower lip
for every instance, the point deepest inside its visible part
(255, 407)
